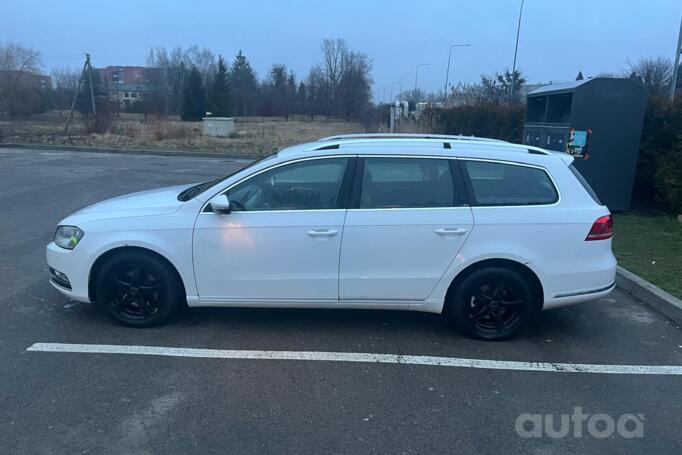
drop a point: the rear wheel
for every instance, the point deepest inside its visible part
(138, 290)
(493, 304)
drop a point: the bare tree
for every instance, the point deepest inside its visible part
(466, 94)
(15, 62)
(65, 82)
(333, 52)
(655, 73)
(316, 88)
(168, 70)
(203, 59)
(354, 88)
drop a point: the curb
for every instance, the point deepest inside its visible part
(664, 303)
(77, 148)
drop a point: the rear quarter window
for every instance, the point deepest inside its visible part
(499, 184)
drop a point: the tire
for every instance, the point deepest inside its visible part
(138, 290)
(493, 304)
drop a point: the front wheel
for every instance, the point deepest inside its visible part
(138, 290)
(493, 304)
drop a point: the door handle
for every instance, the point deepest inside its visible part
(450, 231)
(322, 232)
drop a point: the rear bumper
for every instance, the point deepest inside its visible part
(578, 297)
(566, 282)
(75, 265)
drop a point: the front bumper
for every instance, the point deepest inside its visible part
(75, 265)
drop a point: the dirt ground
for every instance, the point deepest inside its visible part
(254, 136)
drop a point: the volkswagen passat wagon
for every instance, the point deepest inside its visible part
(486, 232)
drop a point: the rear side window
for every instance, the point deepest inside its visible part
(406, 183)
(585, 185)
(508, 184)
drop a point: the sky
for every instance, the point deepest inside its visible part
(558, 37)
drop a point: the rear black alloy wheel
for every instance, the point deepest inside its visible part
(493, 304)
(137, 289)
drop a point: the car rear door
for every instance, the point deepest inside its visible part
(408, 218)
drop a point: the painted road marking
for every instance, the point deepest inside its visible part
(357, 357)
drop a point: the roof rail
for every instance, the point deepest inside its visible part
(382, 136)
(335, 142)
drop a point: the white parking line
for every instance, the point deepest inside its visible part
(357, 357)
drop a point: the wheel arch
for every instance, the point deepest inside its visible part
(107, 255)
(519, 267)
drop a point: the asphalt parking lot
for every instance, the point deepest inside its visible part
(71, 402)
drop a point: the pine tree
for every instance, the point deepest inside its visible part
(292, 107)
(219, 99)
(278, 78)
(84, 101)
(580, 76)
(193, 97)
(243, 85)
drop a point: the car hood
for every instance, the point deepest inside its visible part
(160, 201)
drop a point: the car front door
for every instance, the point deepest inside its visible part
(282, 238)
(407, 221)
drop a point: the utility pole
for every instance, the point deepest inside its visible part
(676, 68)
(516, 49)
(447, 71)
(92, 89)
(86, 65)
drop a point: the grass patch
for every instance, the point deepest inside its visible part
(254, 137)
(650, 246)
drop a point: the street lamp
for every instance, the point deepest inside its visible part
(416, 74)
(392, 84)
(447, 72)
(402, 78)
(516, 49)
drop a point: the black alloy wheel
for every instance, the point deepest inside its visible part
(138, 289)
(493, 304)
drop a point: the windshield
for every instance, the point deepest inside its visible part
(193, 191)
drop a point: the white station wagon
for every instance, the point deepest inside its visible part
(487, 232)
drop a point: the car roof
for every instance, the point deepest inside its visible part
(421, 144)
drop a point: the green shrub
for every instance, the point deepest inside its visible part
(669, 178)
(662, 124)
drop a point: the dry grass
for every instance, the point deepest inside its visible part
(254, 137)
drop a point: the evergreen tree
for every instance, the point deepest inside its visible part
(219, 99)
(243, 84)
(292, 107)
(193, 97)
(84, 101)
(278, 78)
(301, 97)
(580, 76)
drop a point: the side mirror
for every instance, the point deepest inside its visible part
(220, 204)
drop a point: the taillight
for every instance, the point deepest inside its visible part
(602, 229)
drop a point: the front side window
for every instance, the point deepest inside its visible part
(306, 185)
(508, 184)
(406, 183)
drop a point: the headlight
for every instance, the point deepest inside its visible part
(68, 236)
